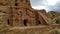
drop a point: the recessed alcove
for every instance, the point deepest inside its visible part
(39, 22)
(8, 22)
(16, 4)
(25, 22)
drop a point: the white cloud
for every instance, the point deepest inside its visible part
(48, 5)
(52, 2)
(39, 7)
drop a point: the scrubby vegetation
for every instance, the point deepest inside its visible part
(58, 21)
(57, 31)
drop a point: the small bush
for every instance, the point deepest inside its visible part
(55, 32)
(58, 21)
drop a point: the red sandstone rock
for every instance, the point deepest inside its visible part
(20, 13)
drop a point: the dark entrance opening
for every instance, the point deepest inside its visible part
(16, 4)
(8, 22)
(15, 0)
(39, 22)
(25, 22)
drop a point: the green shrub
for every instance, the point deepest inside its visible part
(55, 32)
(58, 21)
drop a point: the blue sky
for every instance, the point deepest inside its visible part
(48, 5)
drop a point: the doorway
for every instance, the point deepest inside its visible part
(25, 22)
(8, 22)
(39, 22)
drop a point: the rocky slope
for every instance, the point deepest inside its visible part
(53, 16)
